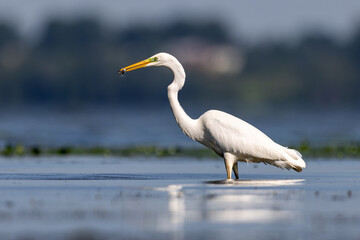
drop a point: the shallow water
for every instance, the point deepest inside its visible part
(175, 198)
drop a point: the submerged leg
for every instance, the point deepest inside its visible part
(229, 160)
(235, 169)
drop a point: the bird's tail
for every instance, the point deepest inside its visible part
(292, 159)
(296, 161)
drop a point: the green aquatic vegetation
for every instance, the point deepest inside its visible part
(349, 150)
(35, 151)
(7, 151)
(164, 151)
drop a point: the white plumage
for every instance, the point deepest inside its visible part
(230, 137)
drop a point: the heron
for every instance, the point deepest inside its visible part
(228, 136)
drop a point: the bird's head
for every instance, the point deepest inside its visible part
(160, 59)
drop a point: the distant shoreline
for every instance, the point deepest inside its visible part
(349, 150)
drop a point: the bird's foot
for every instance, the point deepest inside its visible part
(229, 180)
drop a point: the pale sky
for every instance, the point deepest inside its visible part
(253, 20)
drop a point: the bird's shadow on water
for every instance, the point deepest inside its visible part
(258, 182)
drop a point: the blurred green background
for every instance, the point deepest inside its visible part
(289, 68)
(72, 59)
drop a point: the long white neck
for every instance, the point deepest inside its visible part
(186, 123)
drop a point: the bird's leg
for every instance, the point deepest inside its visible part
(235, 169)
(229, 160)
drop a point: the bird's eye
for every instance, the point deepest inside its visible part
(154, 59)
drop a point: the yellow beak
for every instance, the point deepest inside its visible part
(134, 66)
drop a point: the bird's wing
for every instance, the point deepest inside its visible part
(231, 134)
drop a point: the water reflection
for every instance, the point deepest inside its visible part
(176, 205)
(236, 202)
(248, 216)
(176, 209)
(259, 182)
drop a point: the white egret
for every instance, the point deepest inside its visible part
(231, 138)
